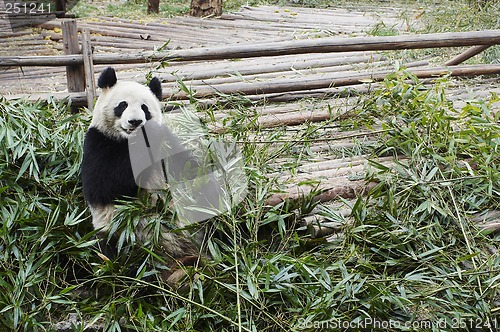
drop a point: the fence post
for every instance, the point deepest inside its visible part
(88, 64)
(75, 75)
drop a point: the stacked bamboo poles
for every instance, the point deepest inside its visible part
(323, 80)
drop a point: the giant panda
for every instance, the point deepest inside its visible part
(122, 108)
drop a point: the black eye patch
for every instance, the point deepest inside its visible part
(120, 108)
(146, 111)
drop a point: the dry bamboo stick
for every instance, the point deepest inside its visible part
(9, 33)
(115, 42)
(142, 32)
(31, 72)
(271, 119)
(313, 23)
(354, 90)
(289, 96)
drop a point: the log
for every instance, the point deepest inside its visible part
(340, 145)
(287, 73)
(336, 171)
(205, 8)
(320, 45)
(259, 67)
(153, 7)
(75, 75)
(333, 189)
(332, 80)
(474, 50)
(327, 45)
(339, 163)
(270, 121)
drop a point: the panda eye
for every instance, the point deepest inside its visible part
(120, 108)
(146, 111)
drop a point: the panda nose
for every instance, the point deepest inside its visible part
(135, 123)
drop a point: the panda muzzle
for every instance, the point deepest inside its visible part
(135, 123)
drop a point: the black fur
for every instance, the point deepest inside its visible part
(106, 169)
(155, 87)
(146, 111)
(107, 79)
(122, 106)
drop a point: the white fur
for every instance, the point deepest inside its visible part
(135, 95)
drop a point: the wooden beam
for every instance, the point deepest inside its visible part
(320, 45)
(474, 50)
(89, 69)
(75, 75)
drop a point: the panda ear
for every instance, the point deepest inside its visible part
(107, 79)
(155, 87)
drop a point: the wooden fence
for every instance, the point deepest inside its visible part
(79, 61)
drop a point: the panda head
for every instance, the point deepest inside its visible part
(125, 106)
